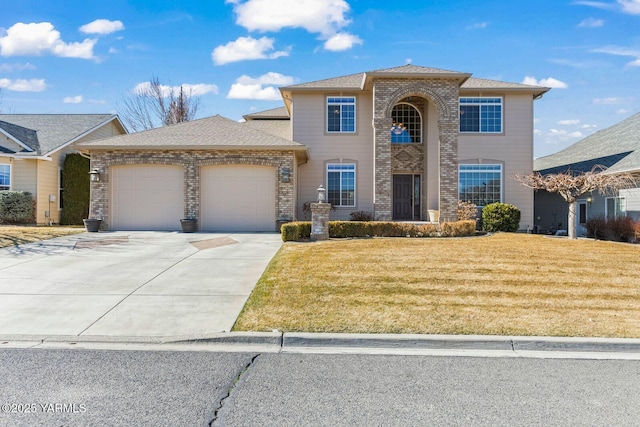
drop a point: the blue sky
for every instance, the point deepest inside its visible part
(84, 56)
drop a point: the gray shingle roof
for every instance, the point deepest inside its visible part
(274, 113)
(354, 81)
(45, 133)
(27, 137)
(210, 132)
(281, 128)
(620, 139)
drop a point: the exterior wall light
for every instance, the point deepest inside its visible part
(286, 174)
(94, 175)
(589, 199)
(321, 193)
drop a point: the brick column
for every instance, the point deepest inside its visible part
(382, 169)
(448, 169)
(320, 221)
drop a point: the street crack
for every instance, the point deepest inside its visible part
(236, 380)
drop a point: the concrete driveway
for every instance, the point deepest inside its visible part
(119, 284)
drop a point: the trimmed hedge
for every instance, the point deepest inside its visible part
(500, 217)
(75, 197)
(16, 207)
(299, 230)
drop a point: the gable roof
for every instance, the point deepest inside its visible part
(44, 134)
(617, 147)
(279, 113)
(212, 132)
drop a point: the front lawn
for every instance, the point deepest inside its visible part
(507, 284)
(11, 235)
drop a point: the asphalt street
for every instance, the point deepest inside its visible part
(80, 387)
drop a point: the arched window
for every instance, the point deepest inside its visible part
(407, 124)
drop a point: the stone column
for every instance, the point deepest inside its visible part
(448, 169)
(382, 169)
(320, 221)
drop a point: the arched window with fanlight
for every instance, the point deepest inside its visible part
(407, 124)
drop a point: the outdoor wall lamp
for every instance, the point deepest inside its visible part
(589, 199)
(321, 192)
(286, 174)
(94, 175)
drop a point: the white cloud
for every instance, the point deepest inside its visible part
(97, 101)
(588, 126)
(244, 48)
(477, 26)
(7, 68)
(342, 41)
(612, 100)
(36, 39)
(102, 26)
(630, 6)
(555, 136)
(72, 99)
(259, 88)
(316, 16)
(596, 4)
(23, 85)
(621, 51)
(568, 122)
(623, 111)
(548, 82)
(591, 23)
(191, 89)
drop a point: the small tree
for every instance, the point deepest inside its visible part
(154, 104)
(571, 185)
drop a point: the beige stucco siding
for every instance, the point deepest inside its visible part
(24, 174)
(47, 183)
(309, 126)
(513, 148)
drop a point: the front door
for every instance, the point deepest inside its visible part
(406, 197)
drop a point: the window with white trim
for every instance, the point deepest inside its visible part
(407, 124)
(341, 184)
(480, 184)
(5, 177)
(615, 207)
(341, 114)
(480, 115)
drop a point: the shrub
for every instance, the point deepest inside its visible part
(500, 217)
(459, 228)
(16, 207)
(293, 231)
(596, 227)
(467, 210)
(75, 197)
(621, 229)
(361, 216)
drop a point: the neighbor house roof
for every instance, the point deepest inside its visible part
(617, 147)
(279, 113)
(212, 132)
(43, 134)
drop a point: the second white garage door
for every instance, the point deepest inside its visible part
(238, 198)
(147, 197)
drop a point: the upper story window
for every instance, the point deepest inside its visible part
(5, 177)
(407, 124)
(341, 184)
(480, 184)
(483, 115)
(341, 114)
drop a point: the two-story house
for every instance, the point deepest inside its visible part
(397, 143)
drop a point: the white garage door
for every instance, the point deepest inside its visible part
(238, 198)
(147, 197)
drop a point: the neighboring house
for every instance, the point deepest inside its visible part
(33, 148)
(617, 148)
(396, 142)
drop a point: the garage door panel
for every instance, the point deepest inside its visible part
(147, 197)
(238, 198)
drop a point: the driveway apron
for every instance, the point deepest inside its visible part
(142, 284)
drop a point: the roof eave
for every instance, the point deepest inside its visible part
(87, 132)
(536, 92)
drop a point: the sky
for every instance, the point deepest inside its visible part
(86, 56)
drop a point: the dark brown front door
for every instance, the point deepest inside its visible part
(403, 197)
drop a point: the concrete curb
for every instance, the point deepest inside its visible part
(295, 341)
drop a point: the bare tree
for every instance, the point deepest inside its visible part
(154, 104)
(571, 185)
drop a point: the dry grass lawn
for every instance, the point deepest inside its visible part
(510, 284)
(11, 235)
